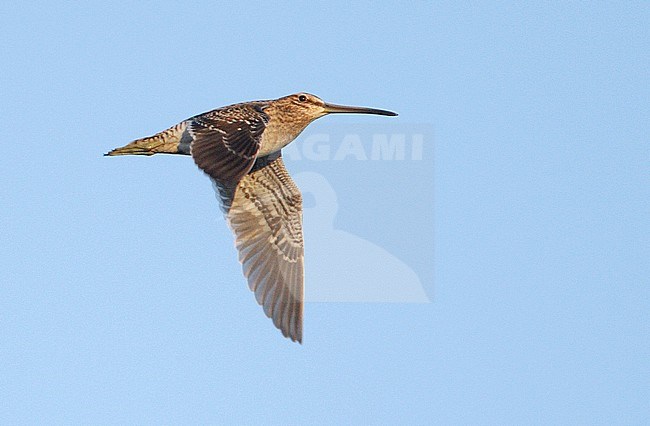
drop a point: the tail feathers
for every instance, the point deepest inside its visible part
(166, 142)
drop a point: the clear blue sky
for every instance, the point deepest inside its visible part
(524, 221)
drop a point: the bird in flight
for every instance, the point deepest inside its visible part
(239, 148)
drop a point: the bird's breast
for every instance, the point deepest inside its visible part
(276, 136)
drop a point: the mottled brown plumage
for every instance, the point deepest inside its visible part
(238, 147)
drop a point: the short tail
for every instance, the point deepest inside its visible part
(175, 140)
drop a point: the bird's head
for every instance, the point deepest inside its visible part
(311, 107)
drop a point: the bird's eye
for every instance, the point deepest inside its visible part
(302, 98)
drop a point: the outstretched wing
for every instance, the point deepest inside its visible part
(264, 210)
(225, 142)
